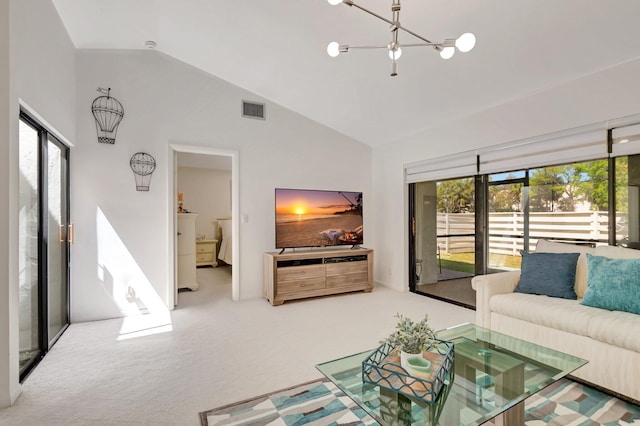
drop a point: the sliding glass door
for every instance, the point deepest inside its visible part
(28, 246)
(443, 238)
(44, 236)
(58, 237)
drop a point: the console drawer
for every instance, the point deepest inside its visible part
(300, 272)
(301, 285)
(347, 279)
(347, 267)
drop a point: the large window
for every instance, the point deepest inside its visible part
(477, 225)
(570, 203)
(627, 201)
(567, 202)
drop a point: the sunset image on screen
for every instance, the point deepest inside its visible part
(311, 218)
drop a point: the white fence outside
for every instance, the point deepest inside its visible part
(556, 225)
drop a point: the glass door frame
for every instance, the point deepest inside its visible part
(46, 342)
(525, 212)
(480, 222)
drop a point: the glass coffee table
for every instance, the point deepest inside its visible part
(491, 377)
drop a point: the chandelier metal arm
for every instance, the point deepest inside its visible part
(388, 21)
(364, 9)
(434, 45)
(406, 30)
(368, 47)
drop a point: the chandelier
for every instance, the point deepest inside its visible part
(447, 48)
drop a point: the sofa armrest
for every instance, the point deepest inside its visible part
(488, 285)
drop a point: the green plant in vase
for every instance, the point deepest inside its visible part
(410, 338)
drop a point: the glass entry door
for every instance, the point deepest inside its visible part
(44, 237)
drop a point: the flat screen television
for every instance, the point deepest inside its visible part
(317, 218)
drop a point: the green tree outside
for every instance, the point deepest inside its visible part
(456, 196)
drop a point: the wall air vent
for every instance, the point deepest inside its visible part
(253, 110)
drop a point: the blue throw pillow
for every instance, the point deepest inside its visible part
(613, 284)
(549, 274)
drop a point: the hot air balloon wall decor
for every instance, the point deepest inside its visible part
(143, 166)
(108, 112)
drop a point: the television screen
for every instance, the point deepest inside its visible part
(312, 218)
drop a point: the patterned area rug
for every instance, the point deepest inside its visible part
(321, 403)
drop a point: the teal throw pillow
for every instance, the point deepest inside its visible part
(613, 284)
(549, 274)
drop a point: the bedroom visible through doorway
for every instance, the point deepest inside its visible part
(203, 211)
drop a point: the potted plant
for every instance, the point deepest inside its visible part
(411, 338)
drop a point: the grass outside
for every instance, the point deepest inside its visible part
(465, 262)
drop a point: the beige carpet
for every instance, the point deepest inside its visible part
(207, 353)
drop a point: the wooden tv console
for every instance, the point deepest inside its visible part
(298, 275)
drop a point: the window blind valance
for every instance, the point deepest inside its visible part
(569, 146)
(453, 166)
(544, 151)
(626, 140)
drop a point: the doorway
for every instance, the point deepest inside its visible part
(215, 225)
(45, 233)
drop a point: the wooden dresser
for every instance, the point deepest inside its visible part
(299, 275)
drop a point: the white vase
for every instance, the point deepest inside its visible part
(404, 356)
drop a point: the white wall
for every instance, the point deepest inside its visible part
(610, 94)
(8, 341)
(167, 102)
(37, 66)
(208, 193)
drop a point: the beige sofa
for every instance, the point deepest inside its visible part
(609, 340)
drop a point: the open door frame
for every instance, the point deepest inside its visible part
(172, 190)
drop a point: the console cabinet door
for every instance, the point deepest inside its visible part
(187, 251)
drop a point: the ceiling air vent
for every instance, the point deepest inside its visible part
(253, 110)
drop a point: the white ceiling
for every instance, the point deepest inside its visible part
(277, 49)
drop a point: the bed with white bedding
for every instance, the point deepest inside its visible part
(225, 253)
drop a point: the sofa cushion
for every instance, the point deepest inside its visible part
(561, 314)
(611, 327)
(546, 246)
(549, 274)
(616, 252)
(613, 284)
(616, 328)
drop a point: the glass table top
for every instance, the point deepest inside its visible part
(492, 374)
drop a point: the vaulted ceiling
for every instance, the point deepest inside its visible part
(277, 49)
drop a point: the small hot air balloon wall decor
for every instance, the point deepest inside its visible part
(108, 112)
(143, 166)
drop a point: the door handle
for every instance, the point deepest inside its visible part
(70, 236)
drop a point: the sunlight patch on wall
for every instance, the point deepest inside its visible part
(144, 311)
